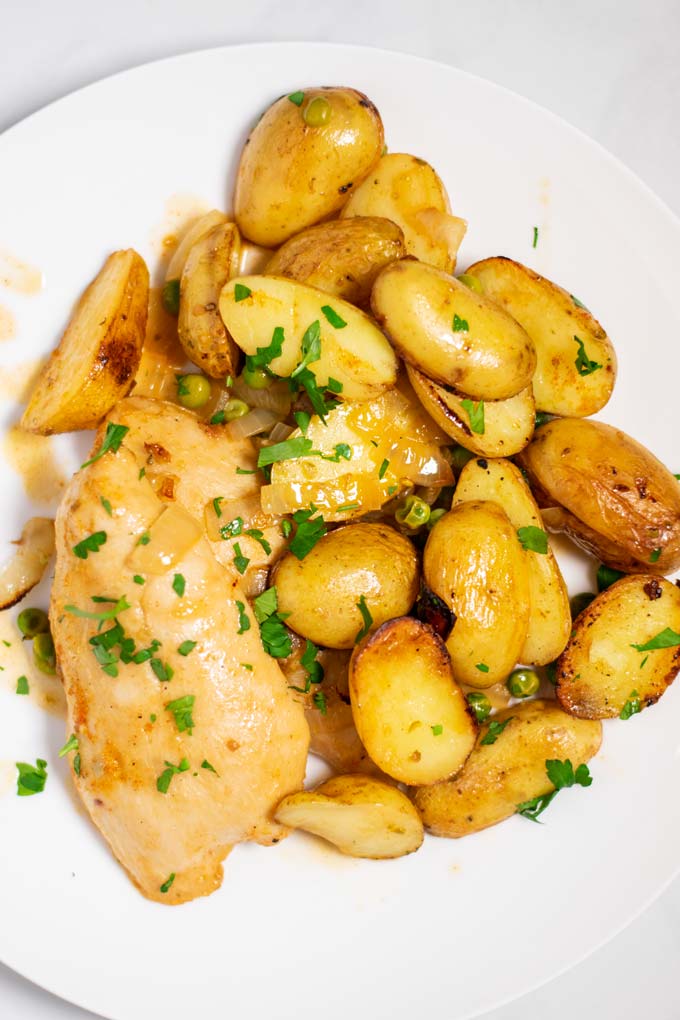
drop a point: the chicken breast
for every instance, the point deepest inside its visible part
(187, 735)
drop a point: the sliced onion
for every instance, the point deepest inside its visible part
(421, 463)
(170, 538)
(252, 424)
(198, 229)
(27, 566)
(276, 397)
(280, 432)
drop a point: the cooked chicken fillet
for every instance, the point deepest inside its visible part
(245, 739)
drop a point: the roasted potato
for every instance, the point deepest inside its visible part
(610, 486)
(27, 566)
(342, 257)
(576, 363)
(359, 564)
(361, 816)
(294, 172)
(508, 425)
(474, 562)
(407, 191)
(450, 333)
(355, 353)
(625, 647)
(499, 776)
(211, 261)
(99, 353)
(201, 226)
(410, 714)
(549, 617)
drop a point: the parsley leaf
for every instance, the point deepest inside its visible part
(309, 530)
(91, 544)
(165, 778)
(216, 505)
(179, 584)
(666, 638)
(31, 778)
(259, 537)
(460, 325)
(311, 348)
(654, 556)
(297, 98)
(302, 419)
(533, 539)
(266, 604)
(475, 414)
(366, 617)
(289, 449)
(631, 707)
(181, 708)
(535, 240)
(115, 434)
(606, 576)
(265, 355)
(232, 529)
(241, 292)
(275, 638)
(482, 667)
(240, 561)
(437, 730)
(107, 506)
(164, 672)
(243, 619)
(319, 702)
(494, 731)
(22, 685)
(186, 647)
(138, 579)
(168, 882)
(584, 366)
(205, 764)
(70, 745)
(107, 614)
(562, 775)
(383, 468)
(333, 317)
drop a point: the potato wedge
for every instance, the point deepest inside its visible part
(407, 191)
(99, 353)
(508, 424)
(410, 713)
(342, 257)
(608, 663)
(576, 362)
(293, 174)
(322, 592)
(450, 333)
(211, 261)
(611, 486)
(27, 566)
(549, 617)
(497, 777)
(198, 229)
(361, 816)
(474, 562)
(356, 353)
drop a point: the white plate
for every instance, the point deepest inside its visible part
(298, 930)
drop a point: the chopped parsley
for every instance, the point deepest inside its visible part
(286, 528)
(258, 535)
(265, 355)
(383, 468)
(333, 317)
(107, 506)
(115, 434)
(275, 638)
(346, 507)
(165, 778)
(144, 538)
(319, 702)
(247, 665)
(289, 449)
(138, 579)
(168, 882)
(494, 731)
(460, 325)
(31, 778)
(162, 670)
(240, 561)
(217, 418)
(241, 292)
(179, 584)
(366, 617)
(302, 419)
(70, 745)
(182, 388)
(533, 539)
(245, 471)
(216, 505)
(311, 348)
(437, 730)
(482, 667)
(186, 647)
(475, 412)
(205, 764)
(22, 685)
(579, 304)
(106, 614)
(562, 775)
(584, 366)
(606, 576)
(182, 708)
(232, 529)
(666, 638)
(308, 531)
(243, 619)
(654, 557)
(91, 544)
(296, 98)
(314, 669)
(535, 240)
(142, 472)
(631, 707)
(76, 764)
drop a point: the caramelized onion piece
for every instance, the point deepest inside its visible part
(27, 566)
(167, 541)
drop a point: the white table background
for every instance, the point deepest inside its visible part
(609, 67)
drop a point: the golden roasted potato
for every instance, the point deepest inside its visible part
(361, 816)
(341, 257)
(99, 353)
(369, 565)
(27, 566)
(511, 770)
(508, 425)
(410, 713)
(302, 159)
(407, 191)
(353, 351)
(211, 261)
(201, 226)
(610, 486)
(576, 363)
(474, 562)
(450, 333)
(549, 617)
(624, 650)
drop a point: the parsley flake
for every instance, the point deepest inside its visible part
(383, 468)
(106, 614)
(186, 647)
(535, 240)
(31, 778)
(289, 449)
(70, 745)
(302, 419)
(22, 685)
(654, 556)
(631, 707)
(91, 544)
(265, 355)
(115, 434)
(482, 667)
(275, 638)
(181, 708)
(216, 505)
(138, 579)
(240, 561)
(584, 365)
(333, 317)
(165, 778)
(666, 638)
(258, 536)
(309, 530)
(232, 529)
(162, 670)
(168, 882)
(243, 619)
(533, 539)
(205, 764)
(437, 730)
(562, 775)
(475, 412)
(241, 292)
(494, 731)
(311, 348)
(460, 325)
(107, 506)
(366, 617)
(319, 702)
(179, 584)
(297, 98)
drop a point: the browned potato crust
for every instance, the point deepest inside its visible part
(498, 777)
(600, 669)
(614, 487)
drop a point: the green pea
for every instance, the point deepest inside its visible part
(458, 457)
(480, 705)
(43, 653)
(542, 418)
(472, 282)
(414, 512)
(193, 390)
(234, 409)
(606, 576)
(257, 378)
(170, 296)
(435, 515)
(317, 112)
(32, 621)
(577, 603)
(522, 683)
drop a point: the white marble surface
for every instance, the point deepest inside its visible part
(608, 66)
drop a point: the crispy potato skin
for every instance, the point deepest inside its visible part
(321, 592)
(499, 776)
(553, 320)
(291, 175)
(550, 616)
(508, 424)
(474, 562)
(611, 486)
(95, 363)
(410, 714)
(415, 304)
(599, 670)
(341, 257)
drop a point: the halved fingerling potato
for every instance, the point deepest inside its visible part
(549, 617)
(201, 226)
(211, 261)
(450, 333)
(341, 257)
(474, 562)
(297, 169)
(499, 776)
(95, 363)
(508, 425)
(361, 816)
(356, 353)
(576, 363)
(410, 714)
(27, 566)
(614, 486)
(607, 663)
(408, 191)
